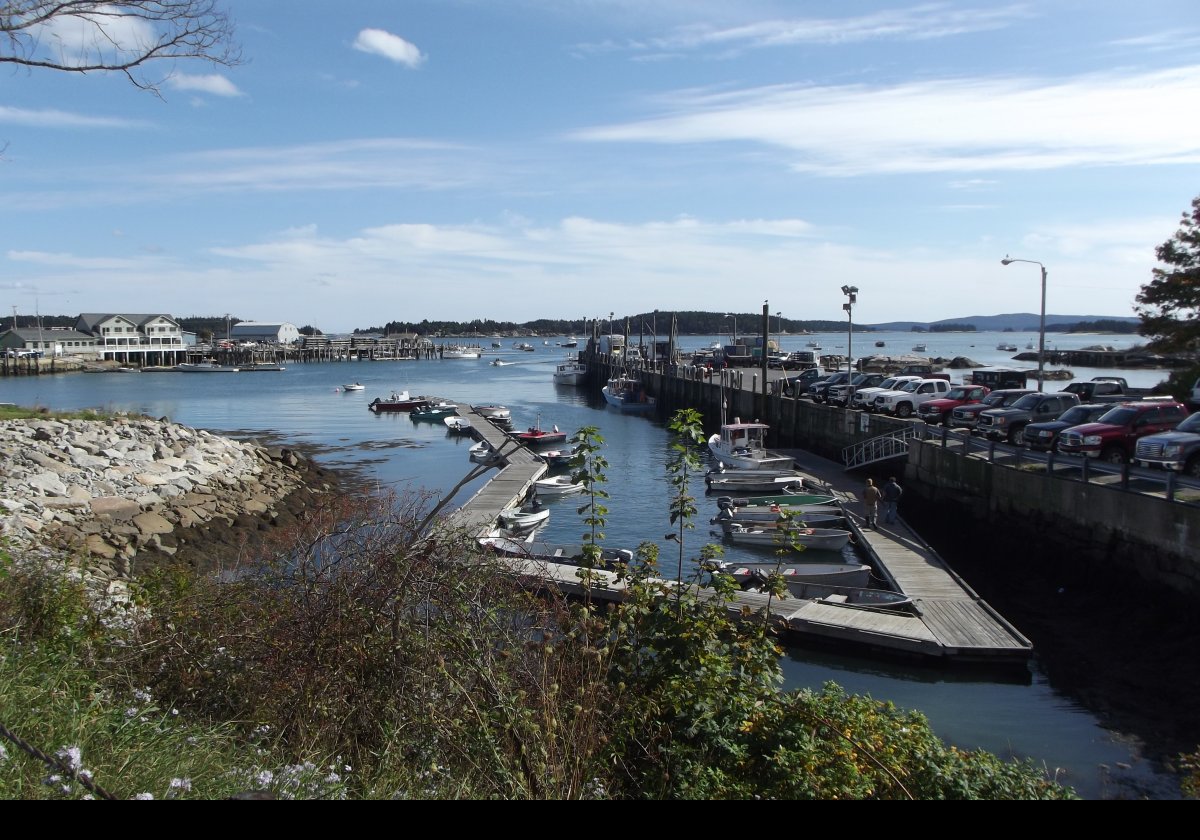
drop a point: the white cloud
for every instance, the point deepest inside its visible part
(392, 47)
(209, 83)
(961, 125)
(81, 40)
(50, 118)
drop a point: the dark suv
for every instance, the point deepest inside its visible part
(819, 391)
(1009, 423)
(1043, 437)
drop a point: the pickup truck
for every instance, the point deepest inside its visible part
(1177, 450)
(864, 398)
(967, 416)
(818, 390)
(939, 410)
(1043, 436)
(841, 394)
(904, 403)
(1115, 435)
(796, 360)
(1106, 389)
(794, 386)
(1009, 423)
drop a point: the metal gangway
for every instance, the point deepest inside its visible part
(882, 447)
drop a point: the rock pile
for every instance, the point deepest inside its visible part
(128, 491)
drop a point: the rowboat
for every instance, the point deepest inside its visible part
(483, 453)
(457, 425)
(753, 574)
(747, 482)
(493, 412)
(781, 499)
(553, 552)
(524, 520)
(822, 539)
(764, 517)
(840, 594)
(207, 367)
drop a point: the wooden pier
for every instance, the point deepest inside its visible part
(948, 621)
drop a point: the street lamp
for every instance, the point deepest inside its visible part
(850, 292)
(1041, 324)
(734, 317)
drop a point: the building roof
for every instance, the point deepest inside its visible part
(46, 334)
(91, 320)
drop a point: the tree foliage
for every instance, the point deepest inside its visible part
(1169, 305)
(123, 36)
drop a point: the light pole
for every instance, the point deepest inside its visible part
(654, 344)
(1042, 323)
(734, 317)
(851, 292)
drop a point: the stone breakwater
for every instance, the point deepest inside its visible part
(126, 492)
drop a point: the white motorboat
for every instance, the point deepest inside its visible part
(492, 412)
(742, 482)
(743, 446)
(458, 425)
(483, 453)
(523, 520)
(554, 552)
(559, 485)
(355, 386)
(459, 351)
(765, 517)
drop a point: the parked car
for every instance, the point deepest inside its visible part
(967, 416)
(1043, 437)
(1115, 435)
(906, 401)
(1177, 450)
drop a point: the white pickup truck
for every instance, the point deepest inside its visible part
(903, 403)
(864, 398)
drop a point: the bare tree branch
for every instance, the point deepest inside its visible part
(123, 36)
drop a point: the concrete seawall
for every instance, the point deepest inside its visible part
(1102, 529)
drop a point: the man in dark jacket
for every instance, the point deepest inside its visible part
(891, 493)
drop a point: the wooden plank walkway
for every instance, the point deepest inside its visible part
(511, 484)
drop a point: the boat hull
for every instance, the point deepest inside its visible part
(841, 574)
(808, 539)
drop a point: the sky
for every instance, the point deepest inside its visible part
(404, 160)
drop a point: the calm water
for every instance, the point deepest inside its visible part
(305, 404)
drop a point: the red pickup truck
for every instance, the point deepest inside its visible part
(1115, 435)
(938, 411)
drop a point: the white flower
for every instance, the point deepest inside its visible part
(72, 757)
(184, 785)
(144, 796)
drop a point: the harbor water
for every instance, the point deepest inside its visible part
(307, 405)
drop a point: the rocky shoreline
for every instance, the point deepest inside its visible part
(128, 491)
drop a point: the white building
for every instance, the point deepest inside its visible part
(264, 333)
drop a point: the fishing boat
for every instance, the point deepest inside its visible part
(835, 591)
(822, 539)
(880, 344)
(570, 372)
(743, 446)
(628, 395)
(918, 348)
(398, 401)
(459, 351)
(354, 386)
(753, 574)
(571, 341)
(537, 436)
(1007, 348)
(457, 425)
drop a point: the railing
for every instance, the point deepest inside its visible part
(883, 447)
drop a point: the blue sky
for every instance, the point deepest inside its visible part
(521, 159)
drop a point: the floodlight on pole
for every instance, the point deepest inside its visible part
(851, 293)
(1041, 324)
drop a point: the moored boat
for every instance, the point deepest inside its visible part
(554, 552)
(628, 395)
(537, 436)
(840, 573)
(822, 539)
(205, 367)
(525, 519)
(354, 386)
(434, 411)
(457, 425)
(765, 517)
(743, 446)
(398, 401)
(459, 351)
(782, 500)
(559, 485)
(732, 483)
(570, 372)
(492, 412)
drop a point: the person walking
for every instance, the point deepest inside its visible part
(891, 493)
(870, 497)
